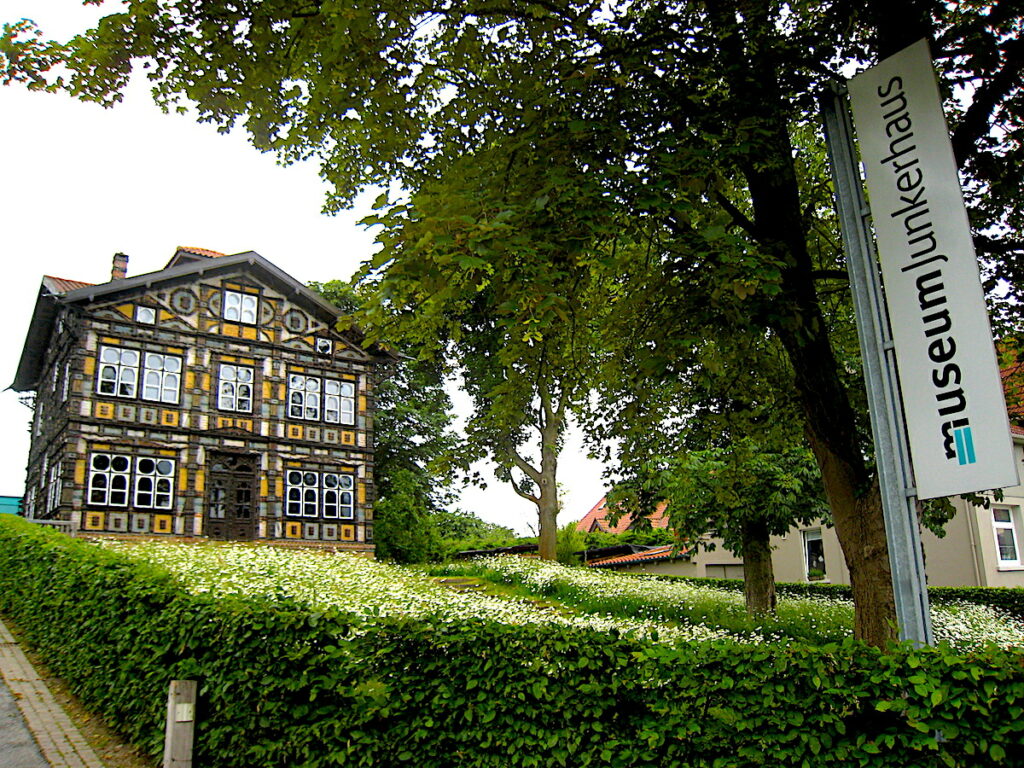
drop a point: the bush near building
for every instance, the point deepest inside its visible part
(282, 683)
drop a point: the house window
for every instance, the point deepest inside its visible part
(109, 476)
(67, 383)
(119, 371)
(240, 307)
(303, 397)
(235, 392)
(339, 402)
(320, 494)
(113, 480)
(1005, 529)
(54, 487)
(162, 378)
(145, 315)
(814, 555)
(153, 482)
(311, 396)
(324, 346)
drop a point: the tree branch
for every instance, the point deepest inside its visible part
(737, 215)
(524, 465)
(976, 121)
(830, 274)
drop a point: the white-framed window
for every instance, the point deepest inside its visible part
(161, 378)
(314, 399)
(118, 372)
(116, 478)
(320, 494)
(54, 487)
(339, 401)
(303, 397)
(109, 475)
(234, 392)
(1004, 526)
(154, 480)
(145, 315)
(66, 387)
(814, 555)
(241, 307)
(324, 346)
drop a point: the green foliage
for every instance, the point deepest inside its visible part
(721, 489)
(282, 685)
(1007, 599)
(647, 536)
(403, 530)
(570, 541)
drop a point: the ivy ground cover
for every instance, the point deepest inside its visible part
(961, 624)
(359, 585)
(669, 610)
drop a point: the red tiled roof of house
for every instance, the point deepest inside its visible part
(62, 285)
(200, 251)
(667, 552)
(597, 519)
(1015, 430)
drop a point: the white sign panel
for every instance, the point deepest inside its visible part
(952, 394)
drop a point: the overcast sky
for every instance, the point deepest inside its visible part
(80, 183)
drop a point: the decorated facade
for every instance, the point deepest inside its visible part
(212, 398)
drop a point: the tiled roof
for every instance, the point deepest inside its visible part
(667, 552)
(597, 519)
(200, 251)
(1015, 430)
(58, 285)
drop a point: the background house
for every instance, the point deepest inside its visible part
(669, 560)
(211, 398)
(981, 547)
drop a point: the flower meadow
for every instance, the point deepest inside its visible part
(669, 610)
(818, 619)
(367, 588)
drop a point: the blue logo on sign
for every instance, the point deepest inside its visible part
(964, 446)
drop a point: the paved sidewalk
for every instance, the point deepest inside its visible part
(26, 701)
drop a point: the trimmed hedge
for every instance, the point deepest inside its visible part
(1008, 599)
(282, 685)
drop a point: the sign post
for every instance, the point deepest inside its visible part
(956, 417)
(928, 333)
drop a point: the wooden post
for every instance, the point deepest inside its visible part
(181, 715)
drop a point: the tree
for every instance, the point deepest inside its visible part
(483, 271)
(686, 113)
(744, 495)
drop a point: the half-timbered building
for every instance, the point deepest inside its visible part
(213, 398)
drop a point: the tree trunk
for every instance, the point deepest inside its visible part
(758, 575)
(795, 316)
(547, 516)
(548, 505)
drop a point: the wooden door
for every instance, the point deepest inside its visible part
(231, 502)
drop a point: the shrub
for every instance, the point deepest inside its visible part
(282, 684)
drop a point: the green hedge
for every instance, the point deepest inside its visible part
(281, 685)
(1009, 599)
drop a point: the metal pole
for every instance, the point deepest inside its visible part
(892, 455)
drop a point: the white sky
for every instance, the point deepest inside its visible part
(80, 183)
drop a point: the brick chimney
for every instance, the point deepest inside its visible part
(120, 268)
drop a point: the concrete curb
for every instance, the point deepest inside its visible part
(59, 740)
